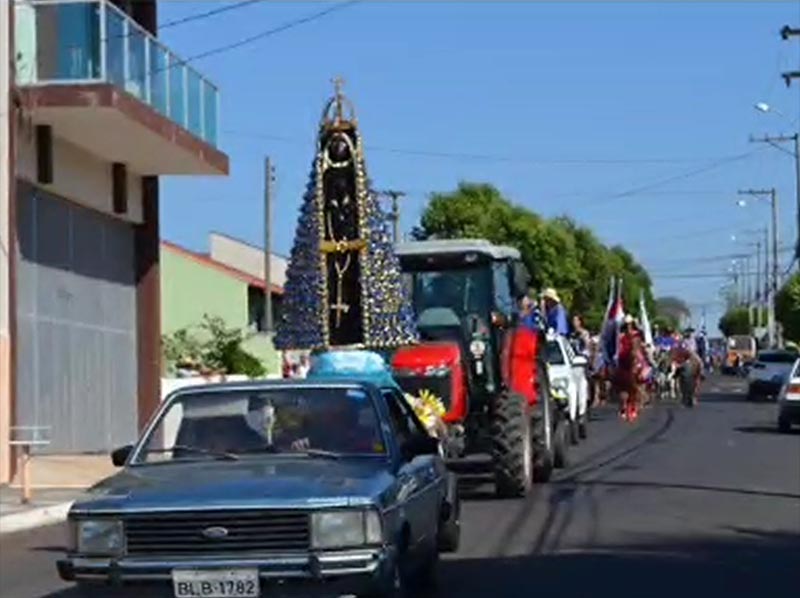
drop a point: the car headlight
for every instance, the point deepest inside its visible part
(561, 384)
(344, 529)
(101, 537)
(477, 348)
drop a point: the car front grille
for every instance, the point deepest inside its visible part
(414, 384)
(217, 532)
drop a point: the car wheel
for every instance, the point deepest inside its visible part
(574, 435)
(393, 586)
(426, 577)
(784, 424)
(450, 527)
(751, 395)
(583, 429)
(561, 444)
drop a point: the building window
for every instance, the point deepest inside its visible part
(255, 309)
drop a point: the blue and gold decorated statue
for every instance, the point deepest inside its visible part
(343, 285)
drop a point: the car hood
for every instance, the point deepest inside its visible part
(771, 371)
(249, 483)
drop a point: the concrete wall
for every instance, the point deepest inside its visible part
(190, 289)
(5, 182)
(78, 176)
(247, 258)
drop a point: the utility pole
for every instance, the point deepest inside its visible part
(269, 178)
(772, 195)
(395, 213)
(786, 33)
(775, 141)
(757, 310)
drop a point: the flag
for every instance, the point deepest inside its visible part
(647, 330)
(613, 320)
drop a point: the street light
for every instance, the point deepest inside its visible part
(771, 196)
(764, 108)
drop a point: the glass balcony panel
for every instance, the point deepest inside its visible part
(115, 43)
(177, 91)
(194, 102)
(159, 71)
(62, 42)
(136, 85)
(210, 113)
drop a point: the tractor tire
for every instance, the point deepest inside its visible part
(512, 451)
(543, 430)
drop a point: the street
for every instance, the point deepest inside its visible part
(684, 501)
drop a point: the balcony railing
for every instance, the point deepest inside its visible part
(92, 41)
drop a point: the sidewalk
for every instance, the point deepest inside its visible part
(57, 481)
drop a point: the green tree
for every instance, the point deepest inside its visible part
(735, 321)
(787, 308)
(672, 310)
(558, 252)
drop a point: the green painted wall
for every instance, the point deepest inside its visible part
(190, 289)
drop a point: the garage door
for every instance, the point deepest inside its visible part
(76, 326)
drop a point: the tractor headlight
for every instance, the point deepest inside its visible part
(98, 537)
(344, 529)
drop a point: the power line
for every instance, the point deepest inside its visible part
(272, 31)
(209, 13)
(678, 177)
(488, 157)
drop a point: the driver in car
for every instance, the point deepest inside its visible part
(340, 426)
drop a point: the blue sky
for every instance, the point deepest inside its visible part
(550, 90)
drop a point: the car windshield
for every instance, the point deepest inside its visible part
(464, 290)
(314, 422)
(555, 356)
(777, 357)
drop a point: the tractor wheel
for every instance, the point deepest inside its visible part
(512, 453)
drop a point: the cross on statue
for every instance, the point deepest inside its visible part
(338, 84)
(340, 307)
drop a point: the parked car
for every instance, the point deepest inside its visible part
(260, 488)
(789, 400)
(741, 351)
(568, 376)
(768, 373)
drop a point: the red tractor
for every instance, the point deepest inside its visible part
(489, 372)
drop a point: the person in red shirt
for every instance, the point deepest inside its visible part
(630, 365)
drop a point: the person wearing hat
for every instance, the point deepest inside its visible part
(555, 312)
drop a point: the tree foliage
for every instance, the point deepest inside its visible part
(212, 348)
(558, 252)
(787, 308)
(673, 311)
(735, 321)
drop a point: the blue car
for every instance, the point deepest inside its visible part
(324, 486)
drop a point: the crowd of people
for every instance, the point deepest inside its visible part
(622, 363)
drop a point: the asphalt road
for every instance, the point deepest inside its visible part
(684, 502)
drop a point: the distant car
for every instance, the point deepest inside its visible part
(249, 489)
(568, 376)
(789, 400)
(768, 373)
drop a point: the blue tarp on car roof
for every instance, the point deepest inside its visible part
(366, 366)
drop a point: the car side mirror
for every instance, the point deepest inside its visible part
(418, 445)
(580, 361)
(120, 455)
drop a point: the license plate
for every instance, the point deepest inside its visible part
(220, 583)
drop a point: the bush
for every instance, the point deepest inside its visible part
(214, 348)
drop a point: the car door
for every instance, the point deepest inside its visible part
(420, 481)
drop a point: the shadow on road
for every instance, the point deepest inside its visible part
(689, 487)
(766, 429)
(749, 565)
